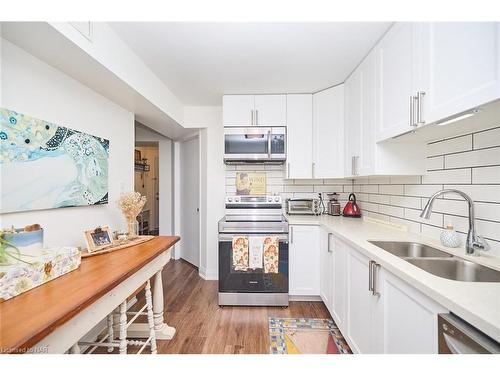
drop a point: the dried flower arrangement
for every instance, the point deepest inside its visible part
(131, 205)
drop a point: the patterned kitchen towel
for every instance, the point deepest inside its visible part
(256, 245)
(240, 253)
(271, 254)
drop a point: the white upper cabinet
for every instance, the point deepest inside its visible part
(353, 119)
(396, 66)
(238, 110)
(270, 110)
(250, 110)
(328, 133)
(299, 136)
(460, 67)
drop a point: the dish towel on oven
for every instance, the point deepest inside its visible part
(240, 253)
(256, 246)
(271, 254)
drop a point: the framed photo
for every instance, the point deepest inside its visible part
(137, 156)
(98, 238)
(251, 183)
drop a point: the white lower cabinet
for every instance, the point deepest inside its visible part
(303, 265)
(326, 269)
(382, 313)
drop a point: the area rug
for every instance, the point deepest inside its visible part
(306, 336)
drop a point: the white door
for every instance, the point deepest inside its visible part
(299, 136)
(395, 79)
(190, 195)
(326, 271)
(270, 110)
(406, 320)
(303, 260)
(339, 298)
(238, 110)
(359, 303)
(328, 133)
(460, 67)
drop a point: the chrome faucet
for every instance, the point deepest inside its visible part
(474, 242)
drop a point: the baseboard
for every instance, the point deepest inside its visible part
(208, 274)
(305, 298)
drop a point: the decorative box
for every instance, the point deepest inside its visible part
(35, 270)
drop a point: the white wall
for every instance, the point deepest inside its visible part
(212, 177)
(32, 87)
(143, 134)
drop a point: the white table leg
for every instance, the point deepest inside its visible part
(123, 328)
(163, 331)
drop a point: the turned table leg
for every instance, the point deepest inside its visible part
(162, 330)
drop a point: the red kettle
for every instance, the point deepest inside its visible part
(351, 208)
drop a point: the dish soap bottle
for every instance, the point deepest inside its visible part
(449, 237)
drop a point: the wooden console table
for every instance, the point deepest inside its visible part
(54, 316)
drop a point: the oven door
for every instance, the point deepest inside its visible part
(254, 144)
(252, 280)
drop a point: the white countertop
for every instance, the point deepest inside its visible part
(478, 303)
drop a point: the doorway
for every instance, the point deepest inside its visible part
(146, 182)
(190, 200)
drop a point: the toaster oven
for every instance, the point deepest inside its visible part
(303, 206)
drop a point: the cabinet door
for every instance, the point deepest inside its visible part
(326, 268)
(460, 67)
(353, 118)
(299, 136)
(328, 133)
(395, 79)
(366, 162)
(238, 110)
(304, 260)
(270, 110)
(406, 319)
(339, 298)
(359, 303)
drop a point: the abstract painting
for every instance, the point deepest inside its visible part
(44, 165)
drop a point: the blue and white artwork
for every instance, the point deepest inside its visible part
(44, 165)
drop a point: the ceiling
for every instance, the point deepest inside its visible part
(201, 61)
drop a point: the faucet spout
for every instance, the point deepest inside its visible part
(474, 242)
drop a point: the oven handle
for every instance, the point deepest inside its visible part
(229, 238)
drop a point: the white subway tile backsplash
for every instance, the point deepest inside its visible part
(478, 158)
(391, 189)
(451, 176)
(434, 163)
(488, 138)
(470, 163)
(448, 146)
(486, 175)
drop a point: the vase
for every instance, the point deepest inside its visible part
(133, 228)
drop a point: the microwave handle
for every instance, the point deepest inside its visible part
(269, 144)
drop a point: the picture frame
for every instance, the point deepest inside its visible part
(137, 156)
(98, 238)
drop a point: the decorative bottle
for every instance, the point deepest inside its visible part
(449, 237)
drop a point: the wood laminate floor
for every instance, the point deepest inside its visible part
(203, 327)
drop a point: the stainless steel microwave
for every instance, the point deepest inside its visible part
(255, 144)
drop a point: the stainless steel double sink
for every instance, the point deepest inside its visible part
(438, 262)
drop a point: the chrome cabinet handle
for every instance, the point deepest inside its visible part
(330, 242)
(291, 234)
(352, 165)
(251, 117)
(313, 168)
(374, 273)
(269, 144)
(419, 98)
(287, 170)
(370, 276)
(256, 117)
(412, 111)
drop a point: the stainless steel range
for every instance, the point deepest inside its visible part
(254, 218)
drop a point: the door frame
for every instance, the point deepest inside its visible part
(176, 195)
